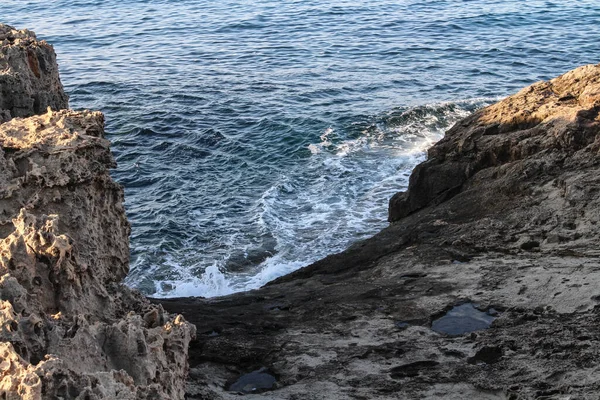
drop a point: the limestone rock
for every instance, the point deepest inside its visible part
(29, 80)
(559, 116)
(68, 327)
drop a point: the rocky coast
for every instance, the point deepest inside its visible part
(484, 285)
(501, 221)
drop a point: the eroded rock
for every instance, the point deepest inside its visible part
(29, 80)
(559, 116)
(68, 327)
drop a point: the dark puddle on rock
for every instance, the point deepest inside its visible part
(255, 382)
(487, 355)
(411, 370)
(464, 318)
(402, 325)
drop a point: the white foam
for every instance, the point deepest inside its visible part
(314, 149)
(211, 283)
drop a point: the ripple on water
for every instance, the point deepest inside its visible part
(253, 139)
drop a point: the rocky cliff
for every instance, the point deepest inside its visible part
(29, 81)
(546, 125)
(68, 327)
(485, 285)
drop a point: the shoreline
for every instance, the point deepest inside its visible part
(502, 214)
(498, 230)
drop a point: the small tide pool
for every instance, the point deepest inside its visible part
(464, 318)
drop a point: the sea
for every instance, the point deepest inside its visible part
(256, 137)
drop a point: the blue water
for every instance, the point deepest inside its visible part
(254, 137)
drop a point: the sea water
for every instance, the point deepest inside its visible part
(255, 137)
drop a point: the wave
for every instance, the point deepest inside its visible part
(337, 196)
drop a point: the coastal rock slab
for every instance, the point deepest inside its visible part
(29, 80)
(559, 117)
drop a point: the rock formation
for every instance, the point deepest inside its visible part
(29, 81)
(68, 327)
(504, 214)
(549, 121)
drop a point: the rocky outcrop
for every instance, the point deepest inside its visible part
(548, 120)
(496, 238)
(69, 328)
(29, 81)
(504, 214)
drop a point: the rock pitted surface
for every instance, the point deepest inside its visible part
(69, 328)
(504, 214)
(29, 80)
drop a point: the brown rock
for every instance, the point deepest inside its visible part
(29, 80)
(68, 327)
(559, 116)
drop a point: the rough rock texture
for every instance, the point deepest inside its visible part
(548, 122)
(29, 81)
(69, 329)
(505, 213)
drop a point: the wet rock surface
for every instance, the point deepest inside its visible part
(504, 213)
(69, 329)
(29, 80)
(254, 382)
(463, 318)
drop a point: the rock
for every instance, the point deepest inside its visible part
(500, 183)
(69, 328)
(29, 80)
(557, 117)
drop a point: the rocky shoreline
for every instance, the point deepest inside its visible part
(504, 214)
(485, 284)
